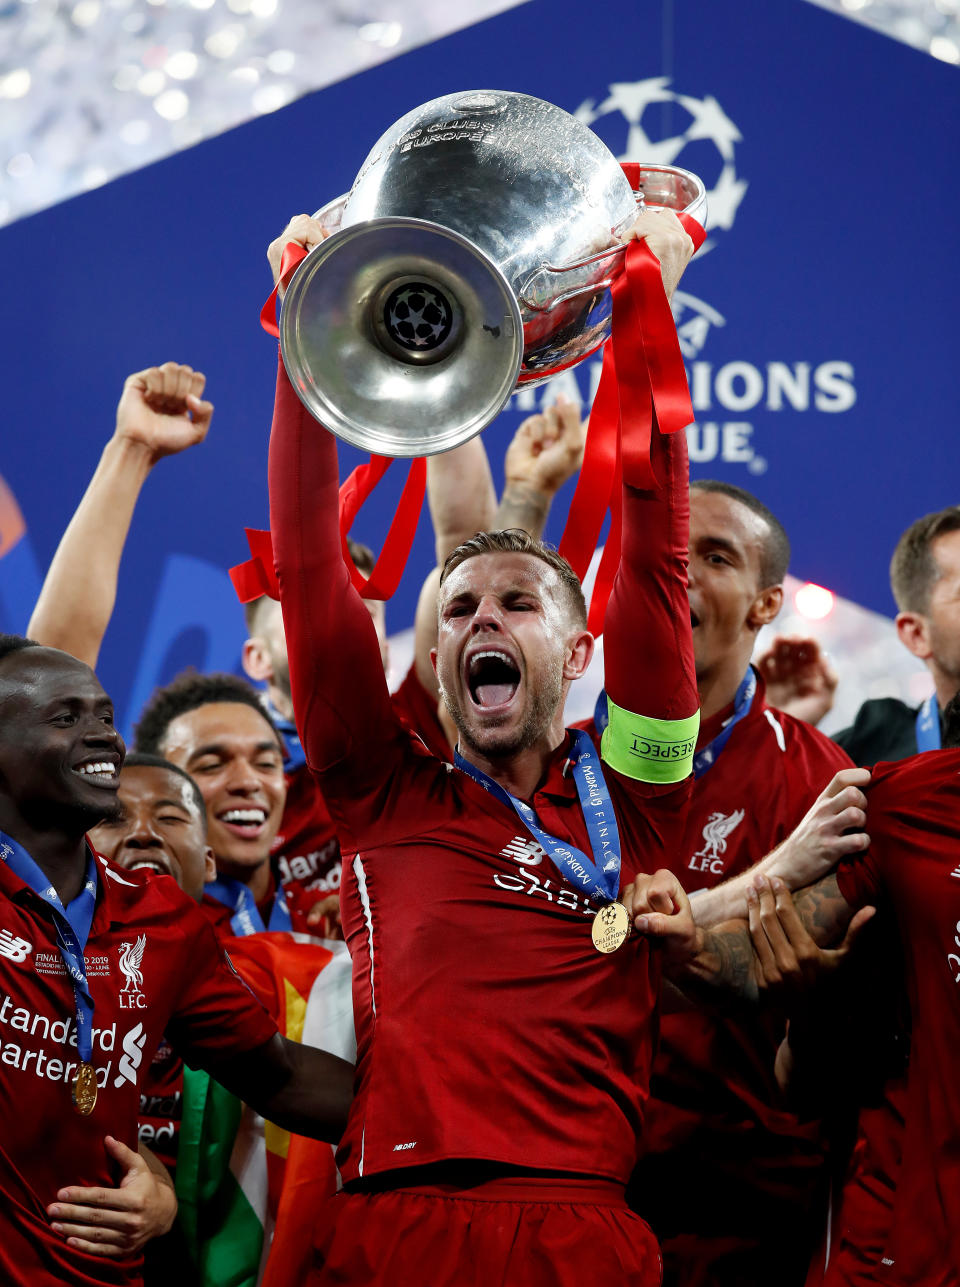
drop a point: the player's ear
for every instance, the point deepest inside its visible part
(255, 660)
(580, 649)
(765, 607)
(914, 633)
(209, 866)
(433, 659)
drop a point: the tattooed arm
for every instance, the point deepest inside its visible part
(726, 966)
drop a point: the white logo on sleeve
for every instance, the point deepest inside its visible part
(13, 948)
(132, 1056)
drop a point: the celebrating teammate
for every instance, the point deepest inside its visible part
(474, 967)
(97, 964)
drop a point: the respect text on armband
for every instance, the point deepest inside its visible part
(646, 748)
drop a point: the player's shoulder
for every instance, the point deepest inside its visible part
(143, 894)
(915, 777)
(804, 738)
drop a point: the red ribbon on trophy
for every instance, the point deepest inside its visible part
(643, 379)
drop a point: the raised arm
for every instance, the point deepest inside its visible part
(340, 699)
(648, 643)
(160, 413)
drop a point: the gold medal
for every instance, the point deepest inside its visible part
(85, 1089)
(611, 927)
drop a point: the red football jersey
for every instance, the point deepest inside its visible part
(182, 986)
(306, 852)
(417, 709)
(488, 1026)
(913, 867)
(716, 1112)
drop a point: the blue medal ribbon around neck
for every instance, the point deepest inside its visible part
(597, 877)
(709, 754)
(246, 918)
(928, 725)
(73, 929)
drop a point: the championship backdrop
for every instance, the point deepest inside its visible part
(818, 323)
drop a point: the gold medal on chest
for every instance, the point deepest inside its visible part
(610, 928)
(85, 1089)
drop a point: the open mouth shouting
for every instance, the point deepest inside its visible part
(492, 679)
(100, 770)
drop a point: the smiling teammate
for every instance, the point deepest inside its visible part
(96, 964)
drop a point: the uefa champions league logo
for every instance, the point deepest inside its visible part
(647, 121)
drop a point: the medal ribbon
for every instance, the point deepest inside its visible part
(73, 929)
(597, 877)
(928, 725)
(246, 918)
(708, 755)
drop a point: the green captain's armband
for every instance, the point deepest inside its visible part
(650, 750)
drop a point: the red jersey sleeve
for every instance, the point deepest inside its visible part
(215, 1013)
(648, 642)
(340, 697)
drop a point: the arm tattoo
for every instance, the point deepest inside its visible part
(524, 507)
(723, 969)
(824, 910)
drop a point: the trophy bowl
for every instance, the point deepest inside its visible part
(474, 253)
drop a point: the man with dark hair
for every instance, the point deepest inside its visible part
(95, 966)
(925, 580)
(216, 728)
(727, 1172)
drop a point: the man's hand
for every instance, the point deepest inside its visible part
(820, 839)
(116, 1222)
(323, 917)
(547, 449)
(667, 238)
(791, 963)
(161, 410)
(799, 678)
(302, 229)
(659, 909)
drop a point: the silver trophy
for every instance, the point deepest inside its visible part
(474, 253)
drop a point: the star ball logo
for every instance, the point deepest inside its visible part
(655, 123)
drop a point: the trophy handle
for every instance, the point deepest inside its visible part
(661, 187)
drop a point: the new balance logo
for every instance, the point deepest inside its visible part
(956, 872)
(525, 850)
(13, 948)
(132, 1056)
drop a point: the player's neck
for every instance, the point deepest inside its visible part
(256, 879)
(62, 858)
(718, 684)
(945, 685)
(281, 702)
(521, 772)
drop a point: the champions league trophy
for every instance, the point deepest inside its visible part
(474, 253)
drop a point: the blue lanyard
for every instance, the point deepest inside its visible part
(246, 918)
(928, 725)
(597, 877)
(709, 754)
(73, 929)
(296, 756)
